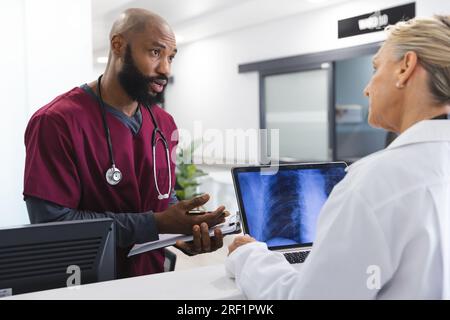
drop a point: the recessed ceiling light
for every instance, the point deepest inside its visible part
(179, 38)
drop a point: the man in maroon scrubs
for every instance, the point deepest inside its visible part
(68, 155)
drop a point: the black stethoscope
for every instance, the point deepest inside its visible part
(114, 175)
(442, 117)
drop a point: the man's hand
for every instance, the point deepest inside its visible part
(202, 242)
(238, 242)
(177, 220)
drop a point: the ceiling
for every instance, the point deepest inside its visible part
(196, 19)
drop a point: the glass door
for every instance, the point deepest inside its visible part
(355, 138)
(297, 104)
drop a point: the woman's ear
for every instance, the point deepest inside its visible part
(406, 68)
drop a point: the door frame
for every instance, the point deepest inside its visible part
(307, 62)
(309, 67)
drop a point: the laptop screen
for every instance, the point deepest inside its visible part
(282, 209)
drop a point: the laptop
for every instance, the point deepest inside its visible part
(281, 206)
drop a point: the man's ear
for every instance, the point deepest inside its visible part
(406, 68)
(118, 45)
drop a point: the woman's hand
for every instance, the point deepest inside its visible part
(240, 241)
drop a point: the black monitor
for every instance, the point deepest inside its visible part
(44, 256)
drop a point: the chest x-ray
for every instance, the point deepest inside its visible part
(283, 209)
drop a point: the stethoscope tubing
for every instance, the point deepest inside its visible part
(113, 175)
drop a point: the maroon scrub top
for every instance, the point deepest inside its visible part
(67, 158)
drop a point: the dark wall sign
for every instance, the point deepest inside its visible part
(375, 21)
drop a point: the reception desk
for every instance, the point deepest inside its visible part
(205, 283)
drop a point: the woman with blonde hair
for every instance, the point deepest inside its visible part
(384, 232)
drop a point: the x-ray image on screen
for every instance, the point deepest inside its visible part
(283, 209)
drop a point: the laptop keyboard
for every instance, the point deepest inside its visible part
(296, 257)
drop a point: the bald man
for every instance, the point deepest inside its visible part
(102, 150)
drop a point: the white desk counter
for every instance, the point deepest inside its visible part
(205, 283)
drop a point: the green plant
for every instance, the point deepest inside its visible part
(187, 173)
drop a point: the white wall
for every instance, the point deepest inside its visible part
(208, 87)
(47, 50)
(59, 48)
(14, 111)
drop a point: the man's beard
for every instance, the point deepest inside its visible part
(136, 84)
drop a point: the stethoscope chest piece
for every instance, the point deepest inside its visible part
(163, 196)
(113, 176)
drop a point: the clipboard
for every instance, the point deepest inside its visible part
(232, 225)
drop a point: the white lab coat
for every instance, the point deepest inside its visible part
(389, 217)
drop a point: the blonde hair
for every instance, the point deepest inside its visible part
(429, 38)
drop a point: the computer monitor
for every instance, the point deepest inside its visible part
(282, 208)
(43, 256)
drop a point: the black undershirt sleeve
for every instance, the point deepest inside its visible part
(131, 228)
